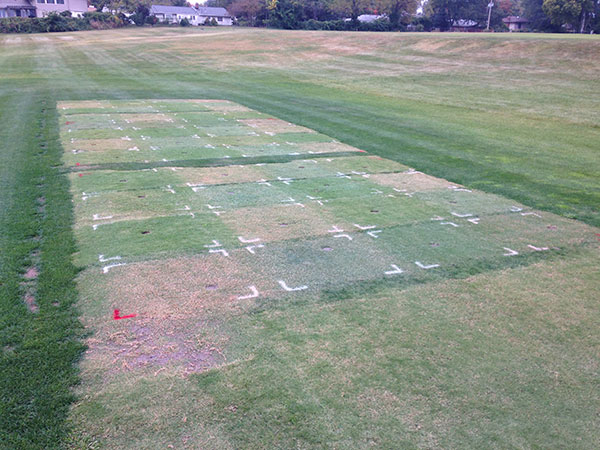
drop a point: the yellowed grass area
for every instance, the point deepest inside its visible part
(220, 175)
(97, 144)
(411, 181)
(275, 126)
(281, 222)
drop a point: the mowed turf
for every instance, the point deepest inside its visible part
(492, 353)
(195, 253)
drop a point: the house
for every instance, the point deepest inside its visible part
(195, 16)
(219, 14)
(41, 8)
(516, 23)
(17, 8)
(174, 14)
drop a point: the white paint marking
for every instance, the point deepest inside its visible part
(221, 250)
(264, 182)
(170, 189)
(374, 233)
(537, 249)
(126, 138)
(365, 227)
(101, 258)
(251, 248)
(347, 236)
(289, 289)
(335, 229)
(254, 294)
(424, 266)
(98, 217)
(288, 200)
(133, 149)
(510, 252)
(285, 180)
(212, 207)
(437, 218)
(530, 214)
(397, 270)
(105, 269)
(248, 241)
(343, 175)
(411, 171)
(457, 189)
(474, 220)
(449, 223)
(461, 215)
(516, 209)
(214, 244)
(376, 191)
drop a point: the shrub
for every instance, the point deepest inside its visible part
(60, 22)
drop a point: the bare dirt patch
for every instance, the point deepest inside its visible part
(31, 273)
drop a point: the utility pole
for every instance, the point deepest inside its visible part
(490, 6)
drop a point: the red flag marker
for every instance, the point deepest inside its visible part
(77, 164)
(80, 174)
(117, 315)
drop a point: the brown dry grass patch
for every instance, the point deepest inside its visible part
(82, 104)
(275, 126)
(410, 181)
(146, 118)
(281, 222)
(98, 144)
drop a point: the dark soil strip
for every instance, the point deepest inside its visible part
(39, 330)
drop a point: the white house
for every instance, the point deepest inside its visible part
(175, 14)
(195, 16)
(41, 8)
(219, 14)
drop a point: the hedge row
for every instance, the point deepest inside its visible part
(62, 22)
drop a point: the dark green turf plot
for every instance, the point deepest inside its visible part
(158, 237)
(121, 180)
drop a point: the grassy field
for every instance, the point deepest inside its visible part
(484, 352)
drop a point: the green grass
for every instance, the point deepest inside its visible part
(505, 358)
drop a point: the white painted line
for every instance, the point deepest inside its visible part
(214, 244)
(105, 269)
(251, 248)
(516, 209)
(335, 229)
(170, 189)
(437, 218)
(342, 175)
(212, 207)
(376, 191)
(313, 198)
(285, 180)
(461, 215)
(198, 188)
(530, 214)
(474, 220)
(248, 241)
(397, 270)
(424, 266)
(101, 258)
(510, 252)
(154, 148)
(126, 138)
(411, 171)
(264, 182)
(347, 236)
(133, 149)
(254, 294)
(457, 189)
(222, 251)
(289, 289)
(217, 213)
(538, 249)
(365, 227)
(288, 200)
(449, 223)
(374, 233)
(98, 217)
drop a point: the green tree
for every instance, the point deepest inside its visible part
(571, 12)
(398, 11)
